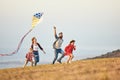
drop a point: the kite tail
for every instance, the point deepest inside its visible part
(19, 45)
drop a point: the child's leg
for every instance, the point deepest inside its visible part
(32, 63)
(68, 59)
(71, 57)
(26, 61)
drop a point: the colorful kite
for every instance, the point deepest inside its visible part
(35, 21)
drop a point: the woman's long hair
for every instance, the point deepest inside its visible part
(33, 40)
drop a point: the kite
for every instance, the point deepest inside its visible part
(35, 21)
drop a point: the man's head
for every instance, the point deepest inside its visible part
(60, 35)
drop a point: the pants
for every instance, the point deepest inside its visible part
(36, 57)
(56, 52)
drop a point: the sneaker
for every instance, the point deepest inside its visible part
(53, 62)
(59, 61)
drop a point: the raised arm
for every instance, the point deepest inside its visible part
(55, 33)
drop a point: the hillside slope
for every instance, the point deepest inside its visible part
(113, 54)
(96, 69)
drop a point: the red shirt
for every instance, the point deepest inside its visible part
(29, 56)
(69, 49)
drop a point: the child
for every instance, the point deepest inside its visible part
(29, 57)
(69, 49)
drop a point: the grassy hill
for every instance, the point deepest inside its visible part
(96, 69)
(113, 54)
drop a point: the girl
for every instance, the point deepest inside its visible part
(69, 50)
(29, 57)
(35, 46)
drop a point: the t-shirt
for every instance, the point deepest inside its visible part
(35, 47)
(58, 43)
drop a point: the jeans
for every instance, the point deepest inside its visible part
(36, 57)
(56, 52)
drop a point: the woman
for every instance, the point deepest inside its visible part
(35, 46)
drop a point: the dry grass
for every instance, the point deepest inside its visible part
(97, 69)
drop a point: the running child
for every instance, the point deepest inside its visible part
(29, 57)
(69, 50)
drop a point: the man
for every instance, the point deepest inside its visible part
(57, 46)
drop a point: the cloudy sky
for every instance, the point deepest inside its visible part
(94, 24)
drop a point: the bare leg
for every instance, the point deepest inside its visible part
(71, 57)
(25, 63)
(68, 59)
(32, 63)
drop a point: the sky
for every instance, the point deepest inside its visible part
(94, 24)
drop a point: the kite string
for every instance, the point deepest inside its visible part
(19, 45)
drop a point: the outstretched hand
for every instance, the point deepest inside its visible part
(44, 52)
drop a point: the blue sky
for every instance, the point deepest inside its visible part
(94, 24)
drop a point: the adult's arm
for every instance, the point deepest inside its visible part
(41, 48)
(32, 46)
(55, 33)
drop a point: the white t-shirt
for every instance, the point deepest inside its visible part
(35, 47)
(58, 44)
